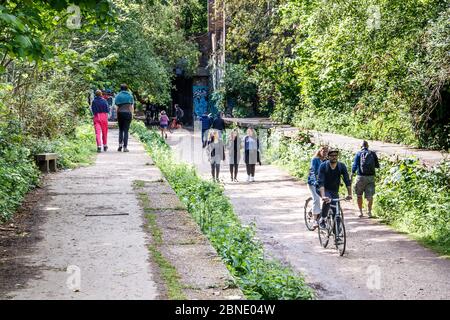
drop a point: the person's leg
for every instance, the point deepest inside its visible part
(231, 171)
(359, 189)
(252, 172)
(125, 132)
(105, 129)
(236, 168)
(369, 193)
(120, 121)
(213, 170)
(217, 171)
(98, 129)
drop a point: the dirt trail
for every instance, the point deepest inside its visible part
(90, 220)
(379, 263)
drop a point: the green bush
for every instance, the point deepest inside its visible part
(18, 171)
(258, 277)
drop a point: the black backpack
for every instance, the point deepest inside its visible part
(367, 163)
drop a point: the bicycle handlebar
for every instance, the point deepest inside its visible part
(339, 199)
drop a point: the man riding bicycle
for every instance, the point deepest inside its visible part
(330, 173)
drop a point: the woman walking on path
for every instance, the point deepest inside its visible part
(319, 157)
(216, 153)
(252, 153)
(163, 124)
(234, 153)
(100, 110)
(125, 108)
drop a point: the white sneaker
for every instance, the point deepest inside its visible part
(248, 178)
(315, 224)
(252, 179)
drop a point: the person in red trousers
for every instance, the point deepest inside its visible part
(100, 110)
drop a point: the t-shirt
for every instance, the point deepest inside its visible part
(331, 179)
(164, 120)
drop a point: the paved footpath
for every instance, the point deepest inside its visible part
(92, 224)
(379, 263)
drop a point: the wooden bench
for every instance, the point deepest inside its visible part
(47, 161)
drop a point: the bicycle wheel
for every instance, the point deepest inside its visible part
(342, 212)
(309, 219)
(324, 234)
(340, 239)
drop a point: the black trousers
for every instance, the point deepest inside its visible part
(124, 119)
(234, 169)
(251, 169)
(215, 170)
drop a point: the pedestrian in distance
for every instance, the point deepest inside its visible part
(100, 111)
(216, 154)
(330, 173)
(252, 153)
(206, 124)
(125, 109)
(364, 165)
(179, 113)
(219, 124)
(234, 153)
(163, 124)
(319, 157)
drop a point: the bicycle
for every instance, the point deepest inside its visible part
(308, 214)
(334, 228)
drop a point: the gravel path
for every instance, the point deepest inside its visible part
(379, 263)
(91, 226)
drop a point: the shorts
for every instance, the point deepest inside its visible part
(366, 185)
(163, 126)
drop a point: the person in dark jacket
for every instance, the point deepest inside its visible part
(364, 165)
(206, 124)
(100, 111)
(219, 124)
(330, 173)
(252, 153)
(125, 108)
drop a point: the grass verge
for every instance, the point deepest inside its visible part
(168, 272)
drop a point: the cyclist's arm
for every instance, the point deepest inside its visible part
(347, 181)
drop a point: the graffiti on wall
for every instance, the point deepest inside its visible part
(200, 95)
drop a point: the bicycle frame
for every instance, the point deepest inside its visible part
(338, 212)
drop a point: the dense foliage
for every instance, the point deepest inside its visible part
(374, 69)
(410, 197)
(258, 277)
(54, 52)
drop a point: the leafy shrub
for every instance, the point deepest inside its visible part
(18, 171)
